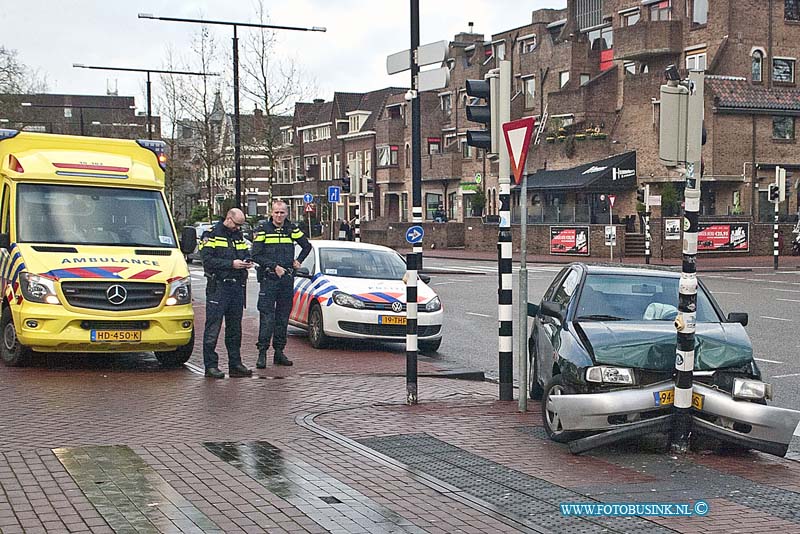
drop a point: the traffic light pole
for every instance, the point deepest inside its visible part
(504, 244)
(414, 259)
(775, 242)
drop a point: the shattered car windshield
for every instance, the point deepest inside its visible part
(622, 297)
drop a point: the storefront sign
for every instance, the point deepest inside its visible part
(723, 237)
(672, 229)
(571, 240)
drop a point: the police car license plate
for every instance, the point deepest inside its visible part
(124, 336)
(666, 397)
(391, 319)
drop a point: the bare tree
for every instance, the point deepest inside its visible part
(16, 77)
(273, 84)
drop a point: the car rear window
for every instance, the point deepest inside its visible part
(362, 263)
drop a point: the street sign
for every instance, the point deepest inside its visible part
(478, 177)
(427, 55)
(309, 208)
(655, 200)
(611, 235)
(430, 80)
(518, 139)
(308, 198)
(611, 200)
(414, 234)
(334, 193)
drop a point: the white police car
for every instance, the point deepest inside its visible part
(356, 290)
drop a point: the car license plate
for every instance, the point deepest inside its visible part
(391, 319)
(126, 336)
(666, 397)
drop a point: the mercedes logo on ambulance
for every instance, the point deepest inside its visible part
(397, 306)
(116, 294)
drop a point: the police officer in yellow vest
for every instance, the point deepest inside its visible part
(225, 262)
(273, 251)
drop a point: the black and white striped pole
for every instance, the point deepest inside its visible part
(647, 223)
(777, 194)
(504, 243)
(357, 230)
(680, 143)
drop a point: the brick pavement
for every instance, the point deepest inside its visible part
(117, 445)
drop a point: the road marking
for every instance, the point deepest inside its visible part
(195, 369)
(726, 293)
(797, 430)
(784, 300)
(766, 360)
(786, 290)
(478, 314)
(443, 283)
(785, 376)
(775, 318)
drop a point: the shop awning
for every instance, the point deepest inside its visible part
(616, 173)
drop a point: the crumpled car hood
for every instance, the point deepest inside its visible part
(651, 344)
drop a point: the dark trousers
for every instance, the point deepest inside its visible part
(274, 306)
(224, 300)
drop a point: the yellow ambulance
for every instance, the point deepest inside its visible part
(89, 258)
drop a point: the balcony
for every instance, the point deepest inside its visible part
(647, 39)
(439, 166)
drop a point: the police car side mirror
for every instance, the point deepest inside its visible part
(302, 272)
(425, 278)
(188, 239)
(5, 241)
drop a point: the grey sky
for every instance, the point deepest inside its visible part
(51, 35)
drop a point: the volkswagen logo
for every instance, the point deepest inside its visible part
(397, 306)
(116, 294)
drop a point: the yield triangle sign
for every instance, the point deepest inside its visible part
(611, 200)
(518, 138)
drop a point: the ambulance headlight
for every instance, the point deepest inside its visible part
(180, 292)
(38, 288)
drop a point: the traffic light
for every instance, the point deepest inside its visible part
(643, 194)
(774, 193)
(346, 183)
(481, 113)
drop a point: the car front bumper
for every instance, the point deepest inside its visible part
(761, 427)
(340, 321)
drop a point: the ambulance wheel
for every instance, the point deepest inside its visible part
(177, 357)
(14, 353)
(316, 329)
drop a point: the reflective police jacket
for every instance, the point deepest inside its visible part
(220, 249)
(275, 246)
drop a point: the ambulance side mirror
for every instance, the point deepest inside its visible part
(5, 241)
(188, 239)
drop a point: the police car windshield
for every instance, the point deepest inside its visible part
(361, 263)
(83, 215)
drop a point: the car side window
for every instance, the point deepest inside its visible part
(554, 285)
(308, 263)
(566, 290)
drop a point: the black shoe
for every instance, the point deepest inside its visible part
(281, 359)
(261, 363)
(239, 371)
(214, 372)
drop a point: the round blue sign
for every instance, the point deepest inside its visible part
(308, 198)
(414, 234)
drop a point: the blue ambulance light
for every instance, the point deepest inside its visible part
(156, 147)
(7, 134)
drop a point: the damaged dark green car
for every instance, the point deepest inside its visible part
(602, 360)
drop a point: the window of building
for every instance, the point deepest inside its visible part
(699, 11)
(432, 203)
(601, 38)
(434, 145)
(387, 155)
(355, 123)
(446, 103)
(500, 50)
(527, 45)
(696, 61)
(630, 18)
(758, 62)
(661, 11)
(783, 127)
(466, 150)
(563, 78)
(529, 88)
(585, 78)
(337, 167)
(298, 170)
(394, 111)
(367, 162)
(630, 68)
(589, 13)
(783, 70)
(791, 10)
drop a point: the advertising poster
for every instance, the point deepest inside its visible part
(723, 237)
(672, 229)
(569, 240)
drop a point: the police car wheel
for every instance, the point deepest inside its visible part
(316, 330)
(177, 357)
(14, 353)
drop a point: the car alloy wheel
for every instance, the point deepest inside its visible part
(316, 329)
(550, 418)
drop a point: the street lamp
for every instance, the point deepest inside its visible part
(80, 109)
(149, 97)
(236, 133)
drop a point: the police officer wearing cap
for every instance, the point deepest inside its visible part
(225, 261)
(273, 251)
